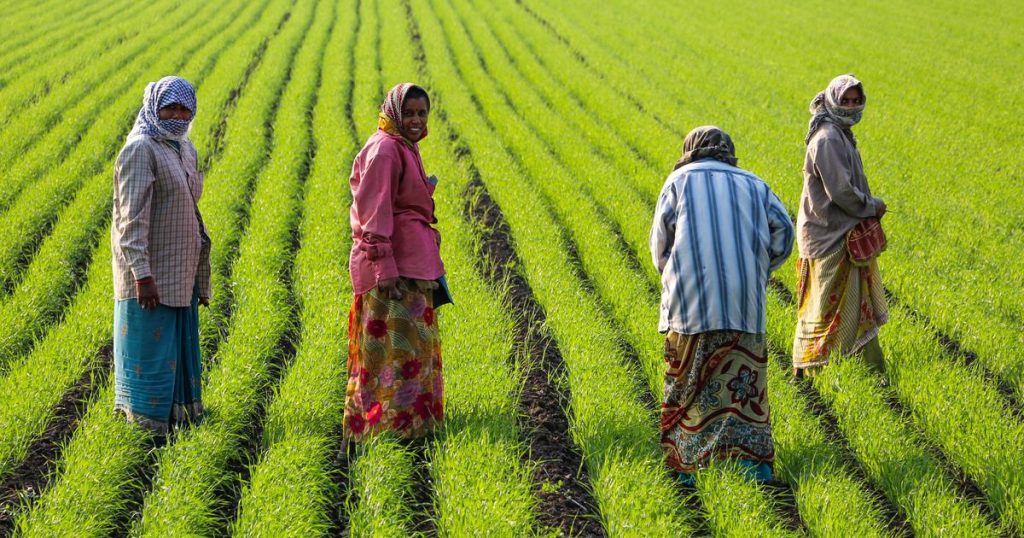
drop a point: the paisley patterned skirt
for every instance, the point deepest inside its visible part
(716, 399)
(394, 364)
(840, 307)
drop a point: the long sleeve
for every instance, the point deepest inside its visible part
(135, 178)
(780, 228)
(837, 179)
(203, 271)
(373, 200)
(663, 228)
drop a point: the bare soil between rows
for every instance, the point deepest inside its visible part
(967, 488)
(559, 477)
(33, 476)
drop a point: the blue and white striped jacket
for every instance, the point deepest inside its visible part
(718, 232)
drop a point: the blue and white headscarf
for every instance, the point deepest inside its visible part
(164, 92)
(825, 106)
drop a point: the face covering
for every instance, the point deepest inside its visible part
(165, 92)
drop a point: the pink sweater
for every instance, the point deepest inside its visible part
(392, 210)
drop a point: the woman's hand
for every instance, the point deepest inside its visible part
(146, 292)
(205, 301)
(881, 209)
(389, 289)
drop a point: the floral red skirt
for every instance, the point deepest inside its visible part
(394, 365)
(716, 400)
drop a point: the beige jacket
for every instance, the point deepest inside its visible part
(157, 229)
(835, 196)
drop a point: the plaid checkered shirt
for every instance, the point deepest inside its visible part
(157, 229)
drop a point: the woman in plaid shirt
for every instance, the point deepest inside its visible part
(161, 262)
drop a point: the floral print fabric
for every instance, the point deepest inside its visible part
(394, 365)
(716, 399)
(840, 308)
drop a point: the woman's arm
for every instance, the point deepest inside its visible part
(830, 161)
(135, 178)
(780, 228)
(134, 183)
(663, 229)
(373, 200)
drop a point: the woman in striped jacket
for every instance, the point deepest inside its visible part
(718, 232)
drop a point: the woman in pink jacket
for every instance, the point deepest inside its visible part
(394, 361)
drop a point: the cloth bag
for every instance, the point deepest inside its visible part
(865, 241)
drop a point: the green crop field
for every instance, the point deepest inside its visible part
(553, 127)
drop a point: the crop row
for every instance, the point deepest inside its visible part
(99, 475)
(292, 488)
(51, 276)
(36, 208)
(17, 58)
(52, 123)
(25, 417)
(792, 442)
(368, 93)
(225, 207)
(588, 139)
(479, 468)
(967, 422)
(594, 173)
(985, 398)
(28, 15)
(381, 475)
(479, 485)
(620, 288)
(50, 279)
(55, 40)
(613, 429)
(951, 276)
(117, 470)
(971, 425)
(28, 20)
(188, 491)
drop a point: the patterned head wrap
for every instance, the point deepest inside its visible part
(707, 141)
(389, 119)
(825, 106)
(164, 92)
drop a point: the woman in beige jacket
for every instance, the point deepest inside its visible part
(841, 305)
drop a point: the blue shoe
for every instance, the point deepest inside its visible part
(687, 479)
(761, 472)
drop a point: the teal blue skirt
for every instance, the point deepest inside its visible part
(157, 364)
